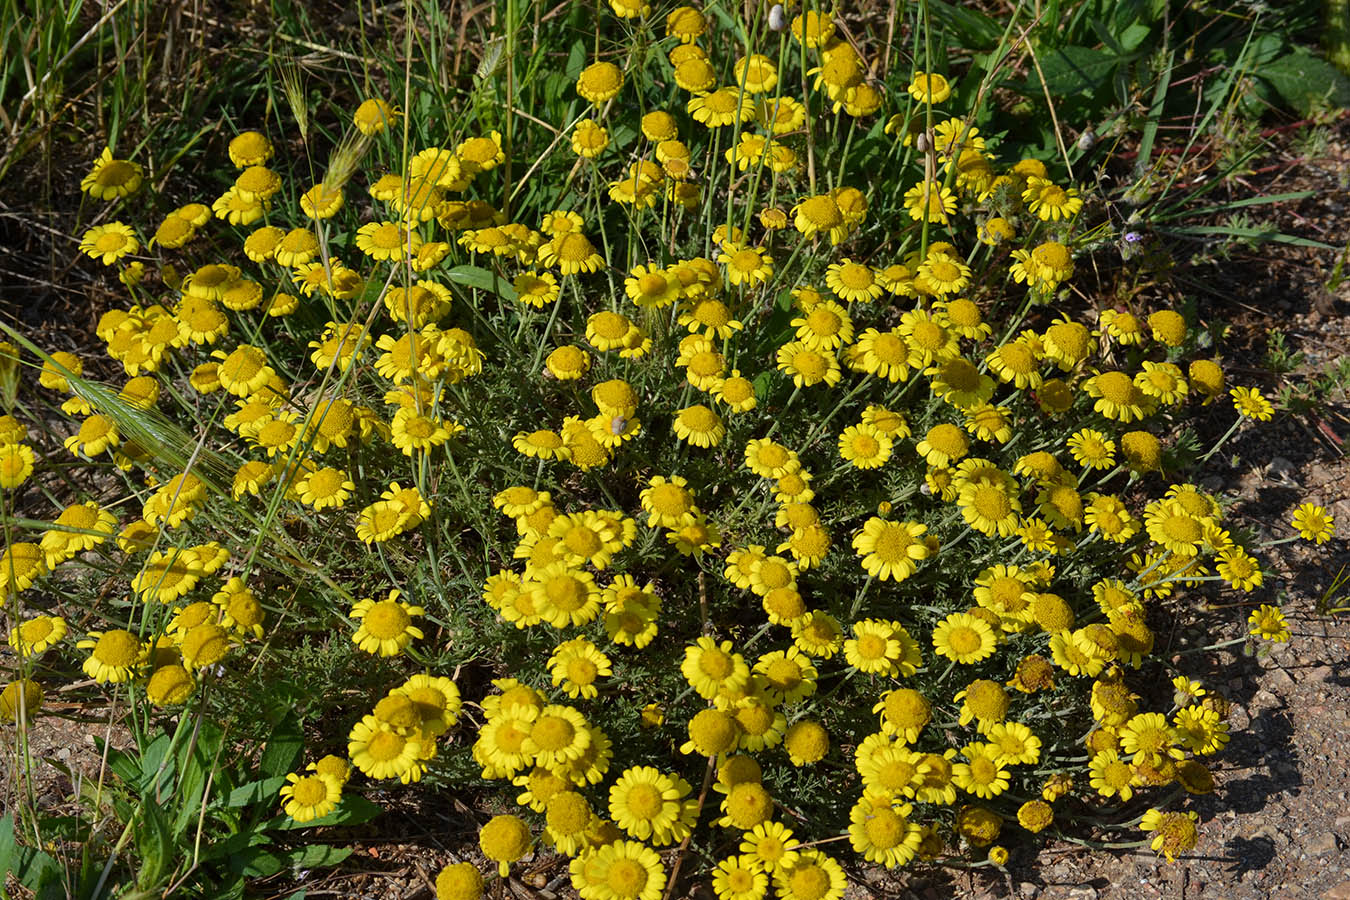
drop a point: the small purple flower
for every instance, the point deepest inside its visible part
(1133, 237)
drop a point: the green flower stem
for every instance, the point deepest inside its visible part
(819, 431)
(1211, 647)
(930, 153)
(858, 599)
(1221, 441)
(778, 420)
(1266, 545)
(548, 328)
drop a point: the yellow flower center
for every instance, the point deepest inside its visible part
(773, 456)
(386, 620)
(582, 541)
(699, 419)
(117, 648)
(602, 78)
(865, 446)
(545, 440)
(35, 630)
(1182, 529)
(872, 646)
(785, 603)
(964, 640)
(983, 770)
(609, 325)
(1055, 256)
(386, 518)
(810, 364)
(745, 261)
(510, 739)
(706, 363)
(722, 102)
(716, 664)
(566, 592)
(276, 433)
(855, 277)
(961, 375)
(388, 237)
(884, 829)
(756, 720)
(987, 700)
(1117, 775)
(626, 878)
(824, 322)
(572, 247)
(581, 671)
(928, 335)
(1115, 387)
(896, 774)
(242, 364)
(943, 272)
(1053, 195)
(783, 673)
(713, 313)
(385, 746)
(644, 801)
(115, 173)
(110, 241)
(774, 574)
(552, 733)
(809, 882)
(668, 500)
(991, 502)
(1162, 380)
(652, 284)
(311, 790)
(325, 482)
(906, 708)
(893, 544)
(418, 427)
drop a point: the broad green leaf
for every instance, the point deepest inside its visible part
(352, 809)
(254, 792)
(154, 843)
(153, 757)
(475, 277)
(1155, 115)
(576, 59)
(38, 872)
(1306, 82)
(317, 856)
(256, 862)
(761, 383)
(283, 749)
(7, 845)
(970, 28)
(1073, 70)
